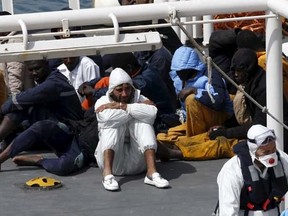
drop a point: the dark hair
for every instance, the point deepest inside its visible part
(126, 61)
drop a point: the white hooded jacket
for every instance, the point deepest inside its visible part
(129, 133)
(116, 117)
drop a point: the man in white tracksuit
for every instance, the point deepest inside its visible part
(253, 182)
(127, 141)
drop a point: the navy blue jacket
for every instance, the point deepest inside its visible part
(55, 94)
(151, 85)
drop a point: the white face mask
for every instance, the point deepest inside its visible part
(268, 160)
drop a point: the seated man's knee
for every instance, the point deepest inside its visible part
(64, 167)
(48, 127)
(68, 165)
(190, 99)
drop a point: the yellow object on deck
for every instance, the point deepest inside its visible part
(43, 183)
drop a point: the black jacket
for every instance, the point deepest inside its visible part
(255, 86)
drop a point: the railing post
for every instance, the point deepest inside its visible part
(7, 5)
(189, 29)
(198, 28)
(274, 76)
(74, 4)
(208, 28)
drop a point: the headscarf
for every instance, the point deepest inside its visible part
(246, 60)
(118, 77)
(249, 39)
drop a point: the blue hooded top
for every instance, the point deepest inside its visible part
(187, 58)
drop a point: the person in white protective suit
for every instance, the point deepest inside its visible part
(127, 141)
(254, 181)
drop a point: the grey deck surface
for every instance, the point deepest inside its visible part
(193, 192)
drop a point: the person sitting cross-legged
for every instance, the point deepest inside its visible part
(127, 141)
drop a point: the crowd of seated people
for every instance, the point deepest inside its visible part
(188, 111)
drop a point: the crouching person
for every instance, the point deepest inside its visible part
(254, 181)
(127, 141)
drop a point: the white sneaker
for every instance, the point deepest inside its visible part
(156, 180)
(109, 182)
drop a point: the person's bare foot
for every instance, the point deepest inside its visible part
(27, 160)
(167, 152)
(163, 152)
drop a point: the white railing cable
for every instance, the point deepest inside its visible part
(198, 47)
(209, 69)
(4, 39)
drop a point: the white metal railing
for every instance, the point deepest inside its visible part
(198, 31)
(171, 10)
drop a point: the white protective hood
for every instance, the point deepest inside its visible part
(117, 77)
